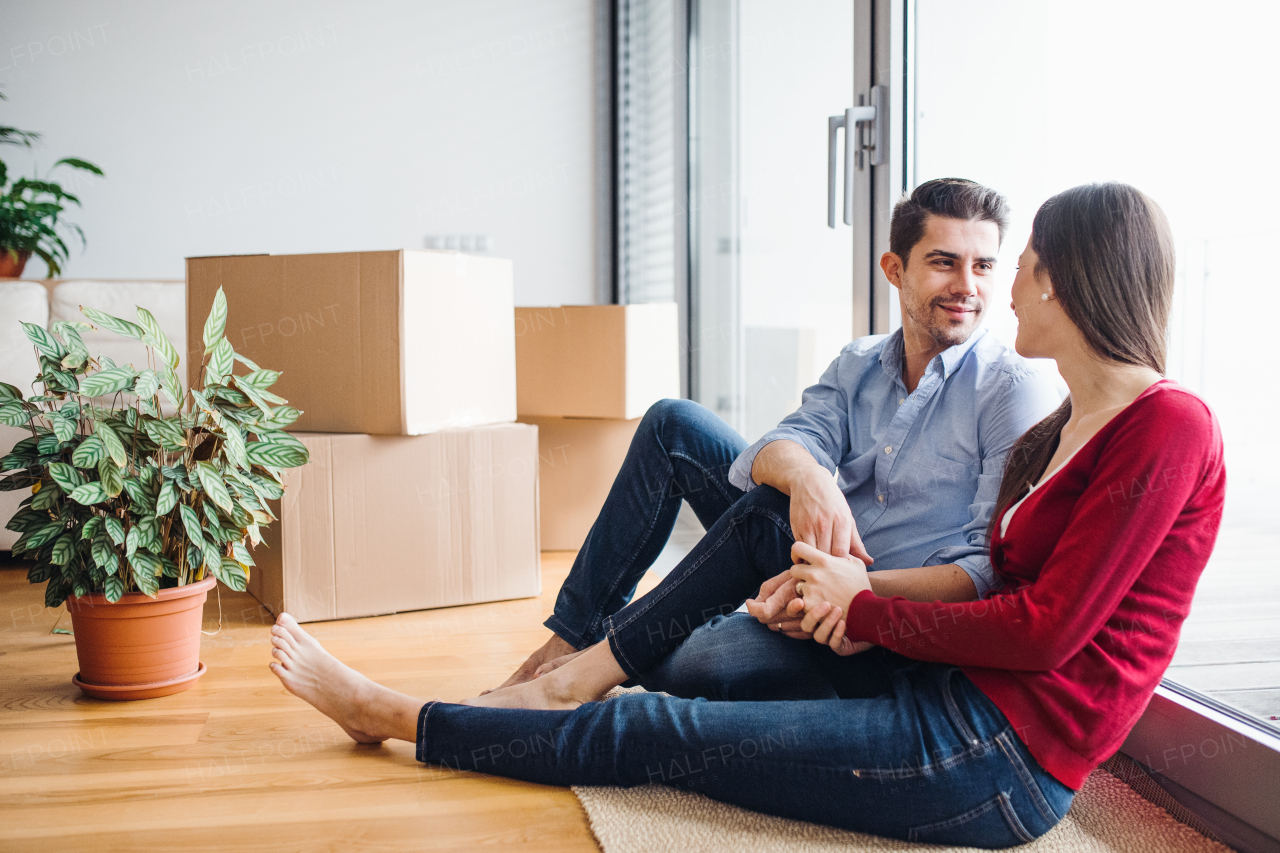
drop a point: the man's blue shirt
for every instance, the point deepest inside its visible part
(921, 471)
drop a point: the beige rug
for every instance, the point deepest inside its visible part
(1107, 817)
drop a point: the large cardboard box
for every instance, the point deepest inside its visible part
(578, 459)
(388, 343)
(596, 361)
(383, 524)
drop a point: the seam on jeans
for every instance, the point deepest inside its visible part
(706, 475)
(1024, 775)
(954, 710)
(577, 638)
(914, 833)
(654, 599)
(598, 618)
(1012, 820)
(422, 726)
(614, 646)
(978, 750)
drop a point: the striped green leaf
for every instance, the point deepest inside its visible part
(114, 324)
(114, 589)
(89, 494)
(89, 453)
(157, 338)
(261, 379)
(111, 441)
(45, 342)
(280, 417)
(147, 569)
(211, 480)
(234, 443)
(167, 499)
(267, 454)
(172, 386)
(112, 481)
(191, 522)
(147, 385)
(63, 549)
(66, 476)
(221, 360)
(14, 413)
(115, 529)
(242, 554)
(63, 427)
(216, 324)
(107, 381)
(232, 574)
(166, 433)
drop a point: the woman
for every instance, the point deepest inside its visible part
(968, 723)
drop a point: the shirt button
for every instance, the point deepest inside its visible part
(881, 497)
(888, 450)
(901, 400)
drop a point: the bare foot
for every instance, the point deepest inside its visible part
(584, 677)
(367, 711)
(551, 650)
(555, 664)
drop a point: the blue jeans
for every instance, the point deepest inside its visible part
(873, 742)
(920, 754)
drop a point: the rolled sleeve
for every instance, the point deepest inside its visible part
(820, 425)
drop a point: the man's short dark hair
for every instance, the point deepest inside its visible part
(954, 198)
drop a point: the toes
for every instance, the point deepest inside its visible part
(281, 655)
(281, 633)
(282, 643)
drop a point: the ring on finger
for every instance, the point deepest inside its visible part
(800, 588)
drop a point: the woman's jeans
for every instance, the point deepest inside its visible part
(920, 754)
(873, 742)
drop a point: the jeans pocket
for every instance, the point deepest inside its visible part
(993, 823)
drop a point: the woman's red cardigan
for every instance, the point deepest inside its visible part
(1100, 565)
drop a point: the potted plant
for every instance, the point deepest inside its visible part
(29, 211)
(143, 495)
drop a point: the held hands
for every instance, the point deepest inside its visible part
(822, 579)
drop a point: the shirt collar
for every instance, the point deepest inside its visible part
(891, 354)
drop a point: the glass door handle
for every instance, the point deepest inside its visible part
(876, 116)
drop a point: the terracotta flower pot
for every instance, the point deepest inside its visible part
(139, 647)
(9, 268)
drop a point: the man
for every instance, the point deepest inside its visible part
(915, 427)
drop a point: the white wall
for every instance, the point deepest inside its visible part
(239, 127)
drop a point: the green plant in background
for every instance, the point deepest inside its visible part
(126, 496)
(30, 208)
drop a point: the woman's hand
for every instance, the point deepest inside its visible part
(821, 580)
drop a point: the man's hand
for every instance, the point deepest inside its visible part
(823, 580)
(820, 513)
(770, 606)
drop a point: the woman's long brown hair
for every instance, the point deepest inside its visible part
(1108, 252)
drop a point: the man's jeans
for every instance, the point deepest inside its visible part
(681, 451)
(915, 751)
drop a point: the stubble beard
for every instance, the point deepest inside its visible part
(944, 332)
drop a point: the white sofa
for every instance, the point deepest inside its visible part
(46, 302)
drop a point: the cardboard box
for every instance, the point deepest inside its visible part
(596, 361)
(578, 459)
(383, 524)
(387, 343)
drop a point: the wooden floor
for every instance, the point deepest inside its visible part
(236, 763)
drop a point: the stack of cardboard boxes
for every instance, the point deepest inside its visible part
(585, 375)
(421, 490)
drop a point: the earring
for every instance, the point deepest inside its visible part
(1044, 297)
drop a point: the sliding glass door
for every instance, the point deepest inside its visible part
(771, 287)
